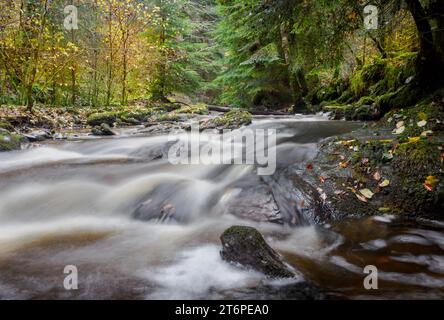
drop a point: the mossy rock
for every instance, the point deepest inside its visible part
(246, 246)
(413, 164)
(134, 116)
(404, 97)
(200, 109)
(234, 119)
(365, 101)
(363, 113)
(97, 119)
(337, 112)
(166, 117)
(10, 142)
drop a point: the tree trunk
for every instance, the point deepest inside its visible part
(429, 66)
(125, 66)
(297, 80)
(111, 58)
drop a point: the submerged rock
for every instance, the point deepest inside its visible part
(247, 247)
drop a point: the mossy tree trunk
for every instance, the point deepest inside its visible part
(296, 75)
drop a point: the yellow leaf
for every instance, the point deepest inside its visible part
(384, 183)
(423, 116)
(414, 139)
(432, 181)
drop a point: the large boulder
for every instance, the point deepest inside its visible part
(247, 247)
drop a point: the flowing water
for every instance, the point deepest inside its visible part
(91, 203)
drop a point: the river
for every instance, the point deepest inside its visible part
(138, 227)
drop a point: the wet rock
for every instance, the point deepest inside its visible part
(301, 291)
(60, 136)
(38, 135)
(103, 130)
(364, 113)
(247, 247)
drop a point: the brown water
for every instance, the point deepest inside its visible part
(78, 203)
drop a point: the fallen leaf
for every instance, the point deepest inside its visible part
(400, 130)
(426, 133)
(377, 176)
(423, 116)
(414, 139)
(347, 142)
(362, 198)
(384, 183)
(367, 193)
(322, 179)
(384, 210)
(422, 123)
(430, 183)
(400, 124)
(387, 156)
(343, 165)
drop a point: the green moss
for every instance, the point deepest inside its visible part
(200, 109)
(97, 119)
(357, 84)
(404, 97)
(418, 158)
(6, 125)
(414, 162)
(337, 112)
(9, 142)
(374, 71)
(166, 117)
(234, 119)
(365, 100)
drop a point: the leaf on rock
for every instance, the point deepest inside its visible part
(400, 130)
(384, 183)
(422, 123)
(367, 193)
(362, 198)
